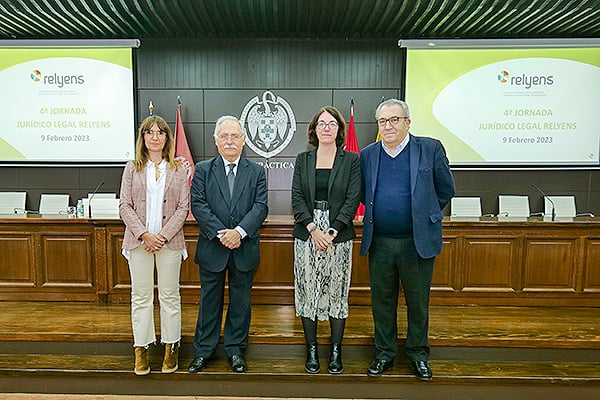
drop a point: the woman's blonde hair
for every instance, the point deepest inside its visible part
(141, 151)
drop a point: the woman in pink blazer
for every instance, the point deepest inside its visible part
(154, 204)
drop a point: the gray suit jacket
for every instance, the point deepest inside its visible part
(214, 210)
(432, 187)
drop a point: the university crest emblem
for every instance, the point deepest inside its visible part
(269, 124)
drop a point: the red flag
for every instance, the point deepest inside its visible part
(352, 145)
(182, 150)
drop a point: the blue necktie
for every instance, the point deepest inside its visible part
(230, 178)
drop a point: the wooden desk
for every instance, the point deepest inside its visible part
(483, 262)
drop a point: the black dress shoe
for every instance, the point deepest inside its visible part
(238, 363)
(422, 370)
(379, 366)
(198, 364)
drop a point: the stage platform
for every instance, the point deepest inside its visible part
(477, 352)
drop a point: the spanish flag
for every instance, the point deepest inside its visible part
(352, 145)
(182, 150)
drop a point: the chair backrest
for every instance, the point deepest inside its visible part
(54, 203)
(513, 207)
(105, 208)
(564, 207)
(102, 196)
(465, 208)
(11, 201)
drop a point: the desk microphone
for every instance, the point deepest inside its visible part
(91, 197)
(549, 199)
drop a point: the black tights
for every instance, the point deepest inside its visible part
(336, 325)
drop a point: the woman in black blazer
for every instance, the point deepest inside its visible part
(325, 195)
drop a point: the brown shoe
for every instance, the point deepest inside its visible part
(170, 363)
(142, 361)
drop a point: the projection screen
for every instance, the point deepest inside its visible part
(507, 102)
(66, 101)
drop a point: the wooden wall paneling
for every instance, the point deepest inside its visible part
(66, 268)
(489, 263)
(591, 270)
(360, 287)
(444, 276)
(360, 267)
(190, 274)
(274, 278)
(17, 260)
(550, 264)
(100, 262)
(512, 264)
(117, 269)
(67, 260)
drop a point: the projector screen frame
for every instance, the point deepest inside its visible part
(500, 44)
(79, 44)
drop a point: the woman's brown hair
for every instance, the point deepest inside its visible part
(311, 132)
(141, 151)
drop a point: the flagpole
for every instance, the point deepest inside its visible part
(352, 145)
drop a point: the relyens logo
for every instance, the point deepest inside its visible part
(525, 80)
(55, 79)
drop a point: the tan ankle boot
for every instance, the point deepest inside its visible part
(142, 361)
(170, 363)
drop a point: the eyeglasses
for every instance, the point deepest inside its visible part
(392, 120)
(330, 125)
(159, 134)
(234, 136)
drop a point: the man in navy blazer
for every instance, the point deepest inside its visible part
(406, 184)
(229, 201)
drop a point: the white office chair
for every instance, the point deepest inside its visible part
(54, 203)
(12, 202)
(103, 195)
(564, 208)
(465, 209)
(105, 208)
(513, 208)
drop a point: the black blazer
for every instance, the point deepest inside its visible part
(343, 193)
(214, 210)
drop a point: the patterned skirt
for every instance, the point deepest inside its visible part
(322, 278)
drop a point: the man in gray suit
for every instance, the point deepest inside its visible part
(229, 201)
(406, 184)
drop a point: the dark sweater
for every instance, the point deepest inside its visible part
(392, 208)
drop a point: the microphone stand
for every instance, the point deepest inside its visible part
(549, 199)
(91, 197)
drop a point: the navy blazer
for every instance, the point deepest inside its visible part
(214, 210)
(432, 187)
(343, 193)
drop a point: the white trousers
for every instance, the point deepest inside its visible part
(141, 270)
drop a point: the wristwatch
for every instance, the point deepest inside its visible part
(331, 232)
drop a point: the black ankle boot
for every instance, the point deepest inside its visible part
(312, 359)
(335, 360)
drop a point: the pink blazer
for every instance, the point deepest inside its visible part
(132, 206)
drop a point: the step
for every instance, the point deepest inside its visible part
(278, 370)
